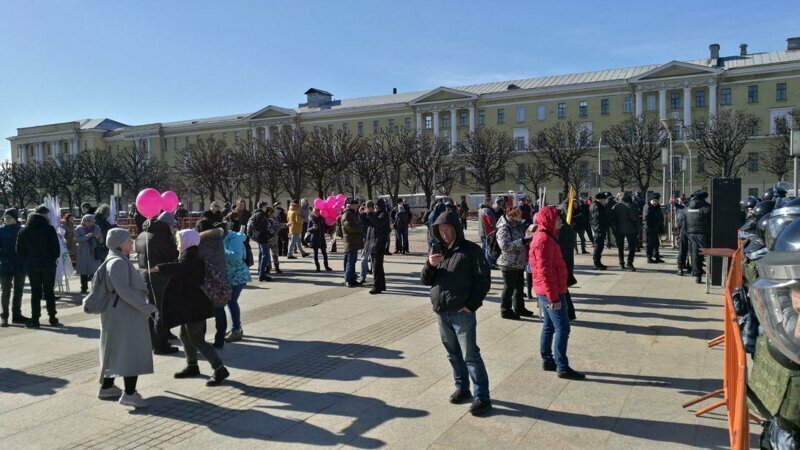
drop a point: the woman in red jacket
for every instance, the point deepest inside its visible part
(550, 285)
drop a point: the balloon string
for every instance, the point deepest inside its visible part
(150, 277)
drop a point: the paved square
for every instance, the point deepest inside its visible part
(324, 365)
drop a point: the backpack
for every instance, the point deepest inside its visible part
(253, 229)
(100, 297)
(215, 286)
(493, 245)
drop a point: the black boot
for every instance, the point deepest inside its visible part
(699, 279)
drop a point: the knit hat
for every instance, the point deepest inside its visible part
(168, 219)
(188, 239)
(86, 205)
(116, 237)
(13, 213)
(87, 218)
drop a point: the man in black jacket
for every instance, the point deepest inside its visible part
(38, 246)
(653, 218)
(623, 221)
(377, 221)
(459, 278)
(698, 227)
(598, 218)
(154, 246)
(401, 220)
(257, 230)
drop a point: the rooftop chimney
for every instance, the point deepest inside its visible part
(714, 50)
(793, 43)
(742, 49)
(316, 98)
(394, 91)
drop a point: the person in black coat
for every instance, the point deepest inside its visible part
(683, 237)
(624, 221)
(377, 221)
(318, 229)
(156, 245)
(401, 219)
(12, 269)
(698, 228)
(598, 218)
(653, 218)
(39, 248)
(567, 240)
(188, 306)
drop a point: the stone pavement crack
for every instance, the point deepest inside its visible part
(11, 380)
(173, 421)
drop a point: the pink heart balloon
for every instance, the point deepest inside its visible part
(149, 203)
(319, 203)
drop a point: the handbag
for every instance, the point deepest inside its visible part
(570, 307)
(215, 286)
(100, 297)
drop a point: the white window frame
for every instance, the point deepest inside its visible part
(520, 114)
(651, 103)
(627, 104)
(520, 133)
(541, 113)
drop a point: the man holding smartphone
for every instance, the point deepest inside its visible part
(459, 278)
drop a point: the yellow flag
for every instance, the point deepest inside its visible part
(569, 205)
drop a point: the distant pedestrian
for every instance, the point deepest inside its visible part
(401, 220)
(459, 278)
(89, 241)
(40, 249)
(350, 229)
(12, 269)
(295, 223)
(318, 229)
(124, 330)
(69, 234)
(599, 220)
(281, 218)
(189, 307)
(653, 218)
(377, 236)
(624, 221)
(511, 237)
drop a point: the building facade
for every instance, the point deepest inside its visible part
(766, 84)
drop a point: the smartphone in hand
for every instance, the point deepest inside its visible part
(437, 248)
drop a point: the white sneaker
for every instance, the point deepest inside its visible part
(112, 392)
(134, 400)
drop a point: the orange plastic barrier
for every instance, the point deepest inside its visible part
(734, 377)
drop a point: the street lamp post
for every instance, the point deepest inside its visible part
(794, 152)
(599, 166)
(118, 195)
(668, 125)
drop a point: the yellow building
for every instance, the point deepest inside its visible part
(766, 84)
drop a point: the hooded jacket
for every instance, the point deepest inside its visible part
(547, 265)
(184, 300)
(623, 219)
(653, 218)
(352, 230)
(295, 219)
(463, 278)
(698, 216)
(212, 249)
(37, 244)
(511, 238)
(157, 244)
(598, 218)
(236, 268)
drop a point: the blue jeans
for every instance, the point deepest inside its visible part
(459, 336)
(233, 306)
(365, 260)
(599, 244)
(263, 259)
(295, 244)
(554, 323)
(401, 240)
(350, 266)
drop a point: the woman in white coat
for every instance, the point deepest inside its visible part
(125, 345)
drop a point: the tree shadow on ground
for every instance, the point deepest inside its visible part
(255, 423)
(17, 381)
(645, 429)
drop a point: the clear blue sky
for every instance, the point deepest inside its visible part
(151, 61)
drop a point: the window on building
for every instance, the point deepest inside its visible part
(725, 96)
(166, 145)
(583, 108)
(605, 167)
(481, 117)
(391, 125)
(562, 110)
(428, 122)
(186, 142)
(225, 137)
(520, 143)
(752, 162)
(651, 102)
(376, 126)
(521, 114)
(501, 116)
(345, 127)
(360, 128)
(583, 168)
(445, 122)
(780, 92)
(408, 123)
(675, 101)
(520, 172)
(604, 107)
(462, 119)
(627, 104)
(541, 111)
(752, 94)
(700, 99)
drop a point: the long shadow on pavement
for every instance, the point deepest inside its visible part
(644, 302)
(17, 381)
(652, 330)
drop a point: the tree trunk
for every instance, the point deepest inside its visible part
(488, 190)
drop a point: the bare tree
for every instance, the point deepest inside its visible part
(289, 145)
(448, 175)
(534, 174)
(98, 170)
(721, 139)
(68, 173)
(636, 143)
(425, 162)
(487, 151)
(619, 174)
(138, 170)
(199, 165)
(329, 154)
(368, 168)
(260, 169)
(561, 147)
(17, 184)
(394, 148)
(777, 160)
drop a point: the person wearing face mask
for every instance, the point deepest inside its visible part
(550, 278)
(513, 258)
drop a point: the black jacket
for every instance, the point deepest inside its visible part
(317, 227)
(10, 262)
(259, 221)
(463, 278)
(653, 218)
(598, 218)
(378, 228)
(624, 219)
(156, 244)
(698, 217)
(401, 217)
(37, 244)
(184, 300)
